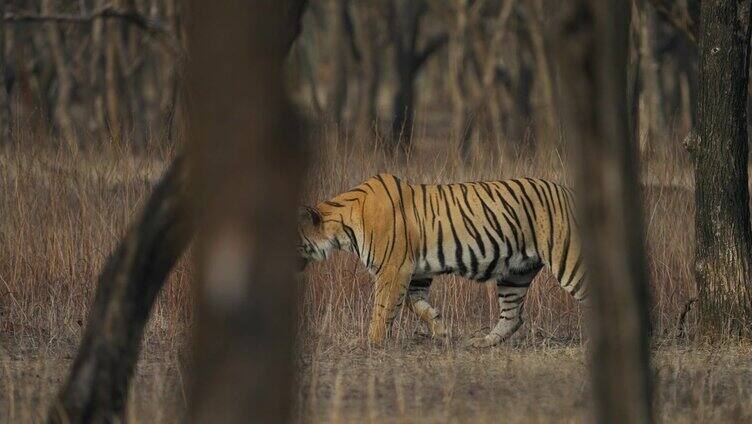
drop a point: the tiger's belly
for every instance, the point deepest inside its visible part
(480, 269)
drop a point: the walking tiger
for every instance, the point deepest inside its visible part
(405, 234)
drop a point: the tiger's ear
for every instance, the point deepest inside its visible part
(309, 215)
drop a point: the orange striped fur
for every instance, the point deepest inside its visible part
(406, 234)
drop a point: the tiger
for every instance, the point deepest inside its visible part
(407, 234)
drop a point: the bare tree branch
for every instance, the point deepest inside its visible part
(432, 46)
(683, 19)
(150, 26)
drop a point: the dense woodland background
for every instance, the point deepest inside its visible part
(477, 74)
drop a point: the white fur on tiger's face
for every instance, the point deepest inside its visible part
(406, 234)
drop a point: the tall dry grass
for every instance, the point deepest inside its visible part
(62, 213)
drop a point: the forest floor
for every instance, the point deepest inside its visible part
(61, 214)
(421, 381)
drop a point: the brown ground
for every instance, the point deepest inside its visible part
(61, 214)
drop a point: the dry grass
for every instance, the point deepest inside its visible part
(61, 214)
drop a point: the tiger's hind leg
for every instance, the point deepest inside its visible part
(511, 291)
(417, 295)
(576, 285)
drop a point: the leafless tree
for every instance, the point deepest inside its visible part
(652, 125)
(405, 18)
(64, 80)
(593, 38)
(340, 36)
(369, 25)
(474, 67)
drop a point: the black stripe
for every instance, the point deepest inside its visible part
(492, 265)
(390, 244)
(458, 250)
(440, 248)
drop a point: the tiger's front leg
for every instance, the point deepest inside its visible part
(391, 286)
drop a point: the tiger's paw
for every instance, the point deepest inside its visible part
(439, 332)
(377, 334)
(483, 342)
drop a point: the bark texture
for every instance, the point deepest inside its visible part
(722, 224)
(592, 37)
(248, 162)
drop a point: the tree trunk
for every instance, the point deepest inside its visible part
(462, 118)
(722, 225)
(112, 80)
(339, 45)
(247, 310)
(5, 123)
(547, 125)
(522, 89)
(97, 385)
(64, 81)
(96, 74)
(367, 37)
(403, 103)
(652, 126)
(593, 40)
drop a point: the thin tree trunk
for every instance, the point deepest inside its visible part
(112, 80)
(96, 388)
(522, 89)
(723, 267)
(5, 124)
(246, 297)
(367, 37)
(340, 51)
(64, 80)
(461, 115)
(548, 124)
(652, 125)
(593, 40)
(170, 76)
(96, 74)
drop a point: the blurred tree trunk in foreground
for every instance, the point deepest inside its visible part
(593, 38)
(248, 162)
(96, 388)
(723, 265)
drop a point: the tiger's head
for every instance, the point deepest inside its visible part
(317, 236)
